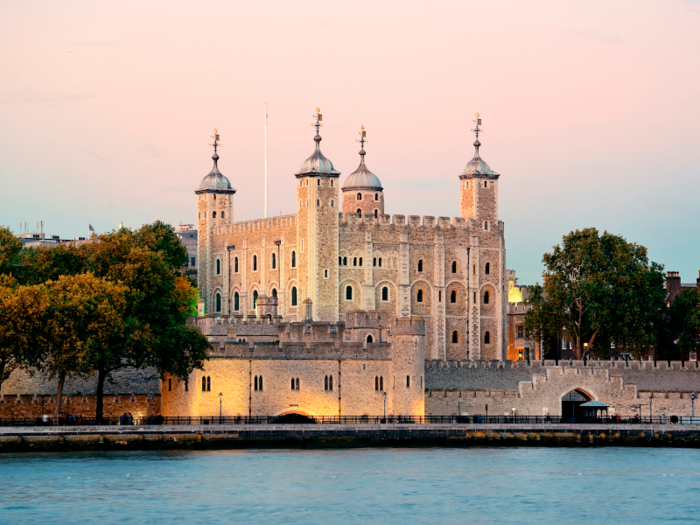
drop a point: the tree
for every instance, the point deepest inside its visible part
(684, 321)
(598, 288)
(10, 248)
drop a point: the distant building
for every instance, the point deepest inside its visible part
(674, 286)
(42, 240)
(518, 346)
(187, 233)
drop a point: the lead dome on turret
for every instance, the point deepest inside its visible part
(215, 180)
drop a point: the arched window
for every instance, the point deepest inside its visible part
(376, 196)
(381, 383)
(236, 301)
(455, 337)
(235, 265)
(255, 263)
(294, 295)
(485, 184)
(487, 269)
(204, 384)
(223, 214)
(293, 384)
(420, 265)
(454, 266)
(374, 262)
(274, 293)
(348, 293)
(385, 293)
(345, 261)
(487, 338)
(453, 296)
(294, 259)
(419, 296)
(380, 262)
(218, 302)
(359, 212)
(340, 261)
(359, 196)
(218, 267)
(439, 296)
(255, 299)
(330, 383)
(376, 382)
(376, 213)
(486, 297)
(274, 261)
(370, 339)
(360, 261)
(486, 225)
(297, 383)
(354, 261)
(213, 215)
(208, 384)
(325, 383)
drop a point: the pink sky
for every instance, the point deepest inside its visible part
(590, 111)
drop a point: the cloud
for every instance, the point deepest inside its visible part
(99, 156)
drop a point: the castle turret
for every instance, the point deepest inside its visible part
(408, 366)
(362, 192)
(214, 208)
(317, 219)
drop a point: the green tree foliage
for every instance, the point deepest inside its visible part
(598, 289)
(684, 322)
(10, 248)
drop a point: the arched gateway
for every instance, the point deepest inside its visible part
(571, 405)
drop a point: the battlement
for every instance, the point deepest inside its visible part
(258, 224)
(690, 366)
(301, 350)
(518, 308)
(367, 319)
(412, 326)
(414, 221)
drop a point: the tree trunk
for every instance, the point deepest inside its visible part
(59, 394)
(99, 408)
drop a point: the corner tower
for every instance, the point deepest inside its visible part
(317, 231)
(214, 208)
(362, 192)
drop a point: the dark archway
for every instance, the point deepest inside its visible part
(294, 419)
(571, 405)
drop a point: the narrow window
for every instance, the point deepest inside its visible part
(331, 200)
(376, 196)
(330, 383)
(474, 269)
(255, 299)
(274, 261)
(374, 262)
(380, 262)
(354, 261)
(381, 383)
(170, 385)
(519, 331)
(420, 265)
(274, 293)
(340, 261)
(376, 383)
(376, 213)
(297, 383)
(453, 296)
(487, 269)
(294, 295)
(236, 302)
(385, 294)
(454, 266)
(255, 263)
(223, 214)
(486, 225)
(331, 183)
(187, 386)
(292, 383)
(318, 182)
(370, 339)
(360, 261)
(218, 302)
(325, 383)
(359, 196)
(419, 296)
(485, 184)
(235, 265)
(455, 337)
(204, 384)
(345, 261)
(208, 384)
(294, 259)
(486, 298)
(475, 297)
(193, 261)
(359, 212)
(487, 338)
(213, 215)
(318, 202)
(218, 267)
(439, 296)
(348, 293)
(325, 274)
(408, 381)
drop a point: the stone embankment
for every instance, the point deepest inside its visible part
(54, 439)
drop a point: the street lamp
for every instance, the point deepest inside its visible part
(220, 398)
(692, 404)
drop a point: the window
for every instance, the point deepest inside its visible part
(376, 196)
(328, 383)
(486, 298)
(170, 385)
(258, 383)
(294, 384)
(331, 183)
(208, 384)
(318, 182)
(439, 296)
(381, 383)
(294, 259)
(360, 261)
(193, 261)
(294, 295)
(204, 383)
(213, 215)
(348, 293)
(454, 266)
(487, 268)
(318, 202)
(345, 261)
(236, 302)
(331, 200)
(420, 265)
(486, 225)
(325, 383)
(218, 267)
(218, 301)
(255, 263)
(453, 296)
(325, 274)
(297, 388)
(223, 214)
(274, 261)
(374, 262)
(380, 262)
(359, 196)
(455, 337)
(385, 293)
(376, 213)
(359, 212)
(419, 296)
(519, 331)
(487, 338)
(187, 386)
(255, 299)
(485, 184)
(274, 293)
(408, 381)
(235, 265)
(370, 339)
(376, 382)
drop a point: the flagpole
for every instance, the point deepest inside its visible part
(265, 215)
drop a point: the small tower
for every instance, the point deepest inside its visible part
(214, 208)
(362, 192)
(317, 231)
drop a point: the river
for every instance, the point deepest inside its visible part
(376, 485)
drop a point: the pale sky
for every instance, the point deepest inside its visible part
(591, 111)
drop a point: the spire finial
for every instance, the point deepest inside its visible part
(362, 141)
(476, 130)
(215, 136)
(318, 124)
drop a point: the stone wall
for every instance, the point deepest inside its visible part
(29, 406)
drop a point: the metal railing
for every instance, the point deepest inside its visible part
(349, 420)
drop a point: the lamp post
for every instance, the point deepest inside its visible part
(514, 414)
(150, 397)
(220, 398)
(692, 405)
(384, 421)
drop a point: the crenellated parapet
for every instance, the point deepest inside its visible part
(414, 221)
(303, 351)
(410, 326)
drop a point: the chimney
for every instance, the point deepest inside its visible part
(121, 225)
(673, 285)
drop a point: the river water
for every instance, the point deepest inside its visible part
(377, 485)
